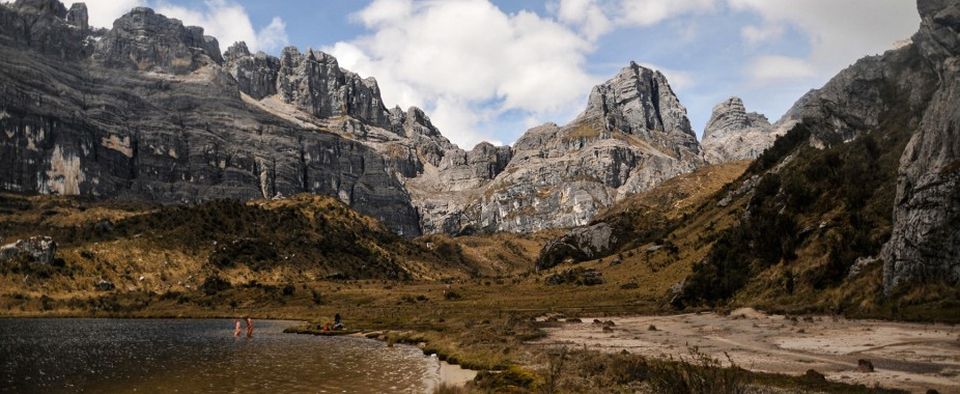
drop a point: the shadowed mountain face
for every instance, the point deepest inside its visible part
(150, 109)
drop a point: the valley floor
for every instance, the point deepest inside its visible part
(908, 356)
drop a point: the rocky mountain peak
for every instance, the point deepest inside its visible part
(49, 7)
(78, 16)
(638, 98)
(730, 115)
(146, 41)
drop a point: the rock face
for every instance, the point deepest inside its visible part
(925, 245)
(734, 134)
(146, 41)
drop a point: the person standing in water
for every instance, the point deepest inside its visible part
(249, 327)
(236, 329)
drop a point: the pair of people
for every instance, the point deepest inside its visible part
(337, 324)
(237, 331)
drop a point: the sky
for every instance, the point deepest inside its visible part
(487, 70)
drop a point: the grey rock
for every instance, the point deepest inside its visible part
(580, 244)
(104, 285)
(40, 26)
(639, 101)
(314, 81)
(78, 17)
(146, 41)
(734, 134)
(256, 74)
(40, 249)
(925, 245)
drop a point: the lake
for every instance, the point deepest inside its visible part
(178, 355)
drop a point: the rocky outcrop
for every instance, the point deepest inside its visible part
(639, 101)
(42, 250)
(146, 41)
(580, 244)
(78, 17)
(46, 27)
(734, 134)
(256, 74)
(314, 81)
(925, 245)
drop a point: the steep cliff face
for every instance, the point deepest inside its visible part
(734, 134)
(925, 245)
(180, 133)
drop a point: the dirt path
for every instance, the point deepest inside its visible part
(910, 356)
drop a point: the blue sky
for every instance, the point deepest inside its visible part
(488, 70)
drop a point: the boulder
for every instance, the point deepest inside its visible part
(40, 249)
(580, 244)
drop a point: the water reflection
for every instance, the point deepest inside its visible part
(156, 355)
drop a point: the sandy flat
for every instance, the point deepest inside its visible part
(909, 356)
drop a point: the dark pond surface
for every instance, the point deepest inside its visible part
(175, 355)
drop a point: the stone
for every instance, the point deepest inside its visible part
(734, 134)
(864, 366)
(40, 249)
(256, 74)
(925, 244)
(78, 17)
(104, 285)
(146, 41)
(580, 244)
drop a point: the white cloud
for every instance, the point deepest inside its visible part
(104, 12)
(773, 68)
(587, 15)
(679, 80)
(759, 34)
(223, 19)
(650, 12)
(839, 32)
(229, 23)
(467, 62)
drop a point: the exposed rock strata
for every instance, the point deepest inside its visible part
(925, 245)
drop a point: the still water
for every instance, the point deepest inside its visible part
(172, 355)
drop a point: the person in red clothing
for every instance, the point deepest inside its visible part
(249, 327)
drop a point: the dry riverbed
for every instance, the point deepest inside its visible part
(908, 356)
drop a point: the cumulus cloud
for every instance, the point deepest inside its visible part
(754, 34)
(226, 20)
(650, 12)
(468, 62)
(104, 12)
(839, 32)
(774, 68)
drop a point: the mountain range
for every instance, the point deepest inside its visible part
(152, 110)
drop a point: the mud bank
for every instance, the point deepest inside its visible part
(908, 356)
